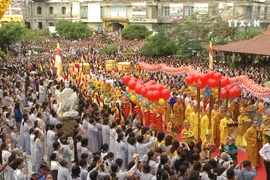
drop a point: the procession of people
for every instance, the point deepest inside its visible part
(199, 137)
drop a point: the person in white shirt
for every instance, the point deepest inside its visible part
(265, 154)
(19, 173)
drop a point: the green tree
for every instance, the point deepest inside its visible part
(159, 45)
(9, 33)
(135, 31)
(110, 49)
(2, 55)
(73, 30)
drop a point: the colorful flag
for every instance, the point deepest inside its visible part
(58, 69)
(210, 51)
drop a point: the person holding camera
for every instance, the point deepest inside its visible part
(247, 173)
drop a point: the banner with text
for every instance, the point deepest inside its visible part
(201, 8)
(176, 11)
(94, 12)
(139, 11)
(226, 11)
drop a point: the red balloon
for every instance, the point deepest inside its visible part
(233, 93)
(212, 83)
(147, 88)
(204, 78)
(132, 84)
(152, 82)
(225, 81)
(238, 92)
(159, 87)
(228, 87)
(125, 79)
(210, 74)
(201, 84)
(138, 88)
(165, 94)
(223, 94)
(217, 76)
(157, 95)
(189, 80)
(196, 77)
(143, 91)
(153, 87)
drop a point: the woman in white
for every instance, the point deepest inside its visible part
(67, 150)
(121, 149)
(54, 162)
(51, 138)
(112, 137)
(58, 149)
(15, 136)
(5, 152)
(38, 155)
(32, 145)
(42, 92)
(131, 148)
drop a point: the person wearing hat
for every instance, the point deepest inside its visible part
(189, 109)
(204, 124)
(208, 145)
(194, 122)
(187, 134)
(179, 112)
(265, 127)
(225, 130)
(243, 120)
(215, 121)
(252, 147)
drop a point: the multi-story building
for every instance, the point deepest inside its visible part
(115, 14)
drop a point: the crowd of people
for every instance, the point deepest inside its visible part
(109, 144)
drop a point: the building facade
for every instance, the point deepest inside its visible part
(114, 14)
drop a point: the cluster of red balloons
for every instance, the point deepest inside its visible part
(212, 79)
(230, 91)
(150, 90)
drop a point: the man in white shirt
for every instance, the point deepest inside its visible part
(265, 154)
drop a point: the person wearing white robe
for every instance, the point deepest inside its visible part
(92, 135)
(112, 137)
(143, 148)
(26, 135)
(15, 136)
(99, 135)
(67, 154)
(121, 149)
(63, 172)
(131, 148)
(85, 148)
(106, 132)
(51, 138)
(38, 154)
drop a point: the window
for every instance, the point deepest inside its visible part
(84, 12)
(265, 12)
(39, 10)
(50, 10)
(39, 25)
(258, 12)
(166, 11)
(63, 10)
(249, 12)
(118, 11)
(190, 11)
(51, 24)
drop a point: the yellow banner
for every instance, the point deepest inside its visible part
(4, 4)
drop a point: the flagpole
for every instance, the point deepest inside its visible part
(211, 51)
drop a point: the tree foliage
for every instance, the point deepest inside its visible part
(9, 33)
(135, 31)
(73, 30)
(159, 45)
(110, 49)
(34, 35)
(2, 55)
